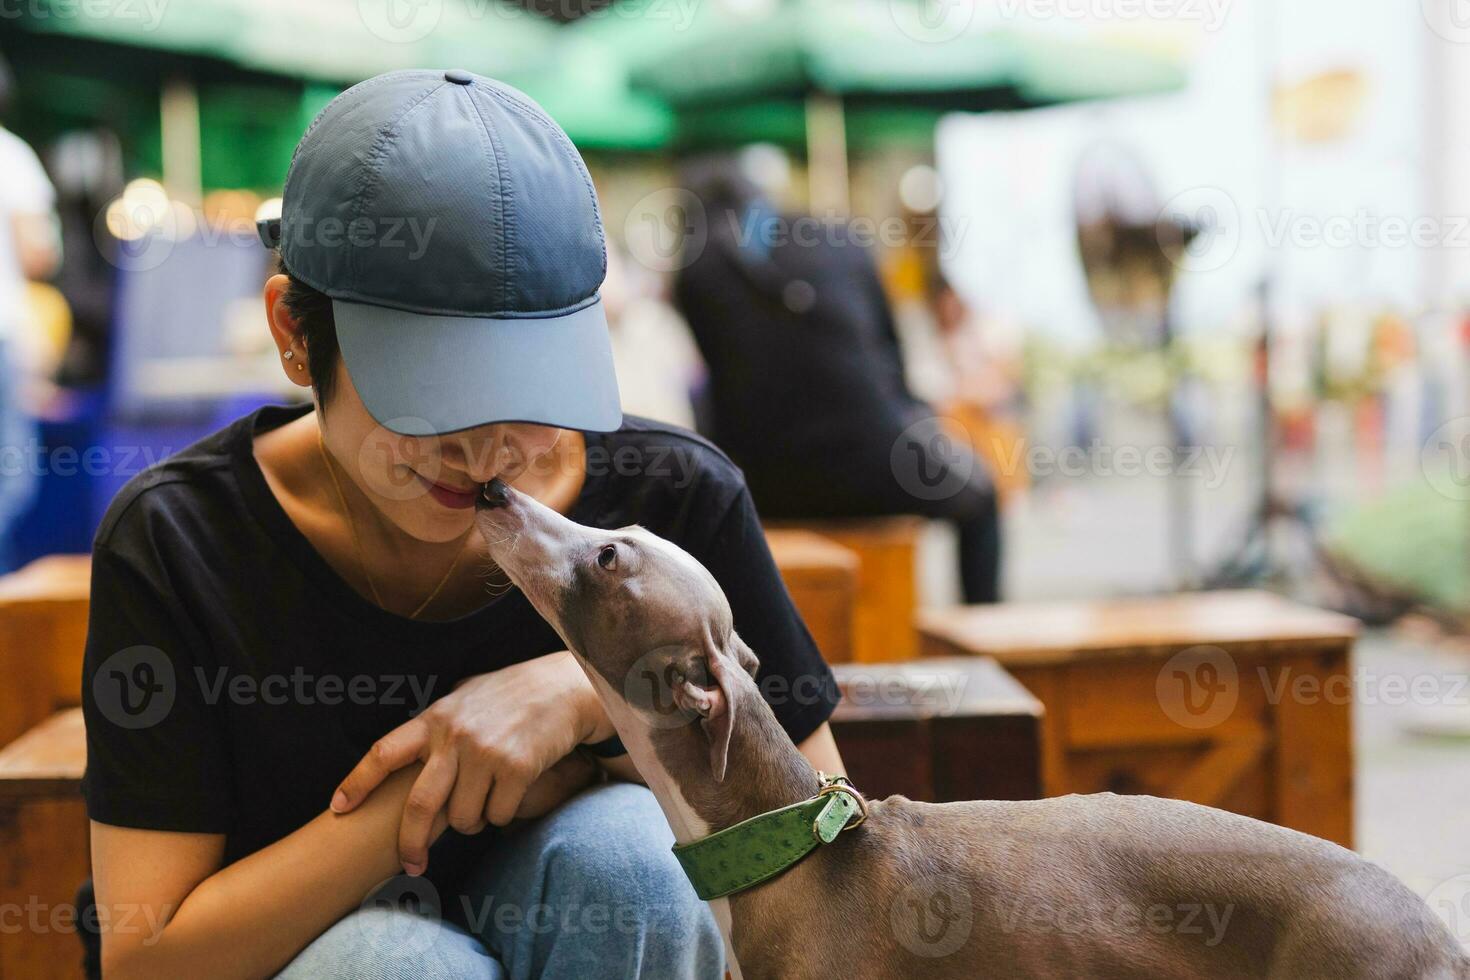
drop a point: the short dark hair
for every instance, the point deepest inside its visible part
(312, 311)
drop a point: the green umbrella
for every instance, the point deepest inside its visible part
(326, 40)
(881, 50)
(832, 60)
(584, 87)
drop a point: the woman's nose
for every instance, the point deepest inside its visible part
(481, 453)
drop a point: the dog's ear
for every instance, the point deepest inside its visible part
(715, 704)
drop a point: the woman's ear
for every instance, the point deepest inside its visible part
(285, 331)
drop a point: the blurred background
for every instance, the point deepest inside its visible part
(1182, 285)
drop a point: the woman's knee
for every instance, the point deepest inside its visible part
(381, 943)
(613, 844)
(607, 885)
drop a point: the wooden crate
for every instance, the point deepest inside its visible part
(954, 728)
(822, 577)
(44, 852)
(887, 594)
(1240, 700)
(43, 631)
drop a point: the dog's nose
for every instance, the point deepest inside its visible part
(496, 493)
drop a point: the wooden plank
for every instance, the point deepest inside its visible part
(1117, 703)
(887, 589)
(822, 577)
(1216, 773)
(44, 858)
(997, 758)
(888, 756)
(1314, 750)
(1062, 632)
(43, 632)
(1049, 687)
(1258, 719)
(954, 729)
(943, 687)
(44, 854)
(47, 761)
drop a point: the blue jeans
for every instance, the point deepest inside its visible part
(590, 890)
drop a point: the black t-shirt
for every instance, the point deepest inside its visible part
(232, 678)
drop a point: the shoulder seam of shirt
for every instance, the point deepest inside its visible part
(136, 493)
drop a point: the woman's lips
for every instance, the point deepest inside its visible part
(449, 496)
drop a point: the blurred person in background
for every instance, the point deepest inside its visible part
(335, 542)
(29, 251)
(807, 381)
(87, 165)
(961, 362)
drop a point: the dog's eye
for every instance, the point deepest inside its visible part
(608, 556)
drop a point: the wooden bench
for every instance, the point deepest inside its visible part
(44, 852)
(887, 593)
(43, 630)
(822, 577)
(1240, 700)
(956, 728)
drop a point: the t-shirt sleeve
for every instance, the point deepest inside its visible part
(26, 189)
(794, 678)
(157, 756)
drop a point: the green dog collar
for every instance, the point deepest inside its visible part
(762, 847)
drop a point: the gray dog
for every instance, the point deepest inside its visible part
(1081, 886)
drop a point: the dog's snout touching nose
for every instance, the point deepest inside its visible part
(495, 494)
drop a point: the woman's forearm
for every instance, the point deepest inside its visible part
(251, 918)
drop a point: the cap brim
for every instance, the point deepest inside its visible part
(422, 374)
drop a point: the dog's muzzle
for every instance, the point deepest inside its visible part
(495, 495)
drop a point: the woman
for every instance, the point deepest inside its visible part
(301, 668)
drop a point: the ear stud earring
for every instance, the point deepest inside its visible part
(290, 354)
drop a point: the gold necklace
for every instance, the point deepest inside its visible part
(357, 542)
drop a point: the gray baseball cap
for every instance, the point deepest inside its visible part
(457, 232)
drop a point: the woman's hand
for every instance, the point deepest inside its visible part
(484, 746)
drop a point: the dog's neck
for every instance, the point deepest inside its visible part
(765, 770)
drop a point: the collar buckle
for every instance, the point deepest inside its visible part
(832, 785)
